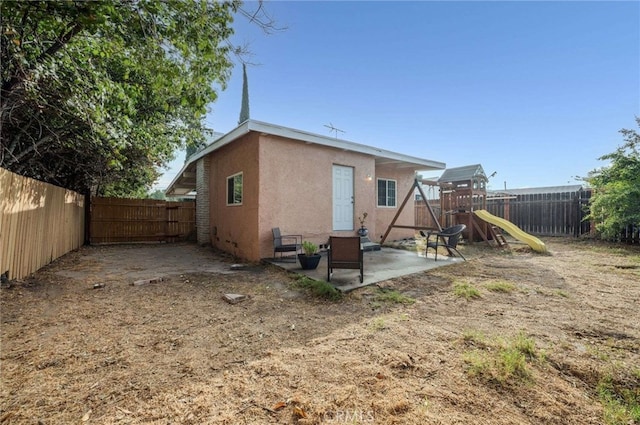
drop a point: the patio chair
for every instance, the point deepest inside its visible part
(345, 253)
(285, 243)
(447, 238)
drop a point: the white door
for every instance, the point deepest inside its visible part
(342, 198)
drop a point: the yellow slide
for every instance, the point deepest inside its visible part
(535, 243)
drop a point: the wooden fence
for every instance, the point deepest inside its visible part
(541, 214)
(119, 220)
(545, 214)
(631, 234)
(423, 217)
(39, 222)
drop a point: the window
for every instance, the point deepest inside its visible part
(234, 189)
(386, 193)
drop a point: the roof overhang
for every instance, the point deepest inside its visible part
(185, 180)
(184, 183)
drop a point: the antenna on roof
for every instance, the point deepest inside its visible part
(334, 129)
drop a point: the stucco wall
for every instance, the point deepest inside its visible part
(384, 215)
(296, 190)
(293, 189)
(234, 228)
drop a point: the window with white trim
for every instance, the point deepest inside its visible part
(234, 189)
(386, 193)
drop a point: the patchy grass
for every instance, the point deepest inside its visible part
(503, 362)
(319, 288)
(500, 286)
(512, 363)
(393, 296)
(378, 324)
(505, 366)
(473, 336)
(526, 346)
(621, 404)
(600, 352)
(561, 293)
(602, 247)
(176, 350)
(465, 290)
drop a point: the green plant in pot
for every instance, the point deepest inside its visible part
(363, 231)
(310, 259)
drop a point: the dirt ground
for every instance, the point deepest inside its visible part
(411, 350)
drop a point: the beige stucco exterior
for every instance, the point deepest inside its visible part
(384, 215)
(234, 228)
(296, 189)
(287, 183)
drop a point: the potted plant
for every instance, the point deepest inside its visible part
(310, 259)
(363, 231)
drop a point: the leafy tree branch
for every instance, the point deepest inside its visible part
(615, 203)
(98, 94)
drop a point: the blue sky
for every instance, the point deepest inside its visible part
(535, 91)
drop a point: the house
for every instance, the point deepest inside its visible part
(260, 175)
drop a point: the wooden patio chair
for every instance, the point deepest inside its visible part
(285, 243)
(345, 253)
(447, 238)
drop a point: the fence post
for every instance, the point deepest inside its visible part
(87, 217)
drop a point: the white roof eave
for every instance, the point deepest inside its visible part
(379, 154)
(382, 156)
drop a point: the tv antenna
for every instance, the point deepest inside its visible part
(334, 129)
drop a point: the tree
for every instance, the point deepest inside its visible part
(615, 203)
(244, 109)
(96, 95)
(158, 194)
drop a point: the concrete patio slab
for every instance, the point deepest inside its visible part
(381, 265)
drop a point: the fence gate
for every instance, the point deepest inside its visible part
(119, 220)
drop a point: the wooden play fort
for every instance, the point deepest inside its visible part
(463, 190)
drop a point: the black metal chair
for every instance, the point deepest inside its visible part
(345, 253)
(285, 243)
(447, 238)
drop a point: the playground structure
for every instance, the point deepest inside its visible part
(535, 243)
(463, 200)
(462, 191)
